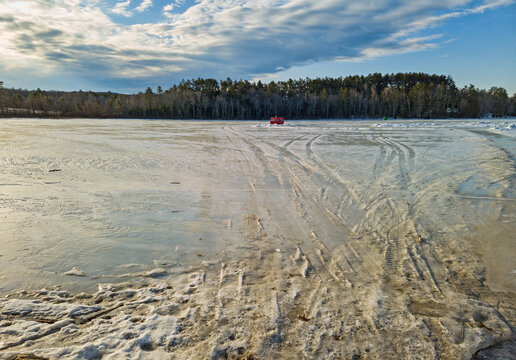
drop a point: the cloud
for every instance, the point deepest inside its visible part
(121, 8)
(145, 4)
(217, 38)
(173, 5)
(490, 5)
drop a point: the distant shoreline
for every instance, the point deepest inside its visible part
(375, 96)
(2, 116)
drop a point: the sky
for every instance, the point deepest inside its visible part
(127, 45)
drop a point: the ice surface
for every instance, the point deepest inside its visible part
(380, 239)
(505, 126)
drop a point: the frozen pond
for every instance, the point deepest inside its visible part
(380, 209)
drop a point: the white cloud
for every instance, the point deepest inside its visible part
(173, 5)
(490, 4)
(239, 38)
(121, 8)
(144, 5)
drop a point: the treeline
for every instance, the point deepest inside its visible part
(402, 95)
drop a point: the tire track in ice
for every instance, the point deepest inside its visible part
(261, 156)
(395, 224)
(324, 263)
(406, 156)
(308, 205)
(322, 173)
(290, 142)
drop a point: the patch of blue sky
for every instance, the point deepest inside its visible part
(130, 12)
(476, 49)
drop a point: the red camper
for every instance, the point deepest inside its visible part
(277, 120)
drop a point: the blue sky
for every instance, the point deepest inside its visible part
(127, 45)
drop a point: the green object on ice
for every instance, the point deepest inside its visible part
(385, 117)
